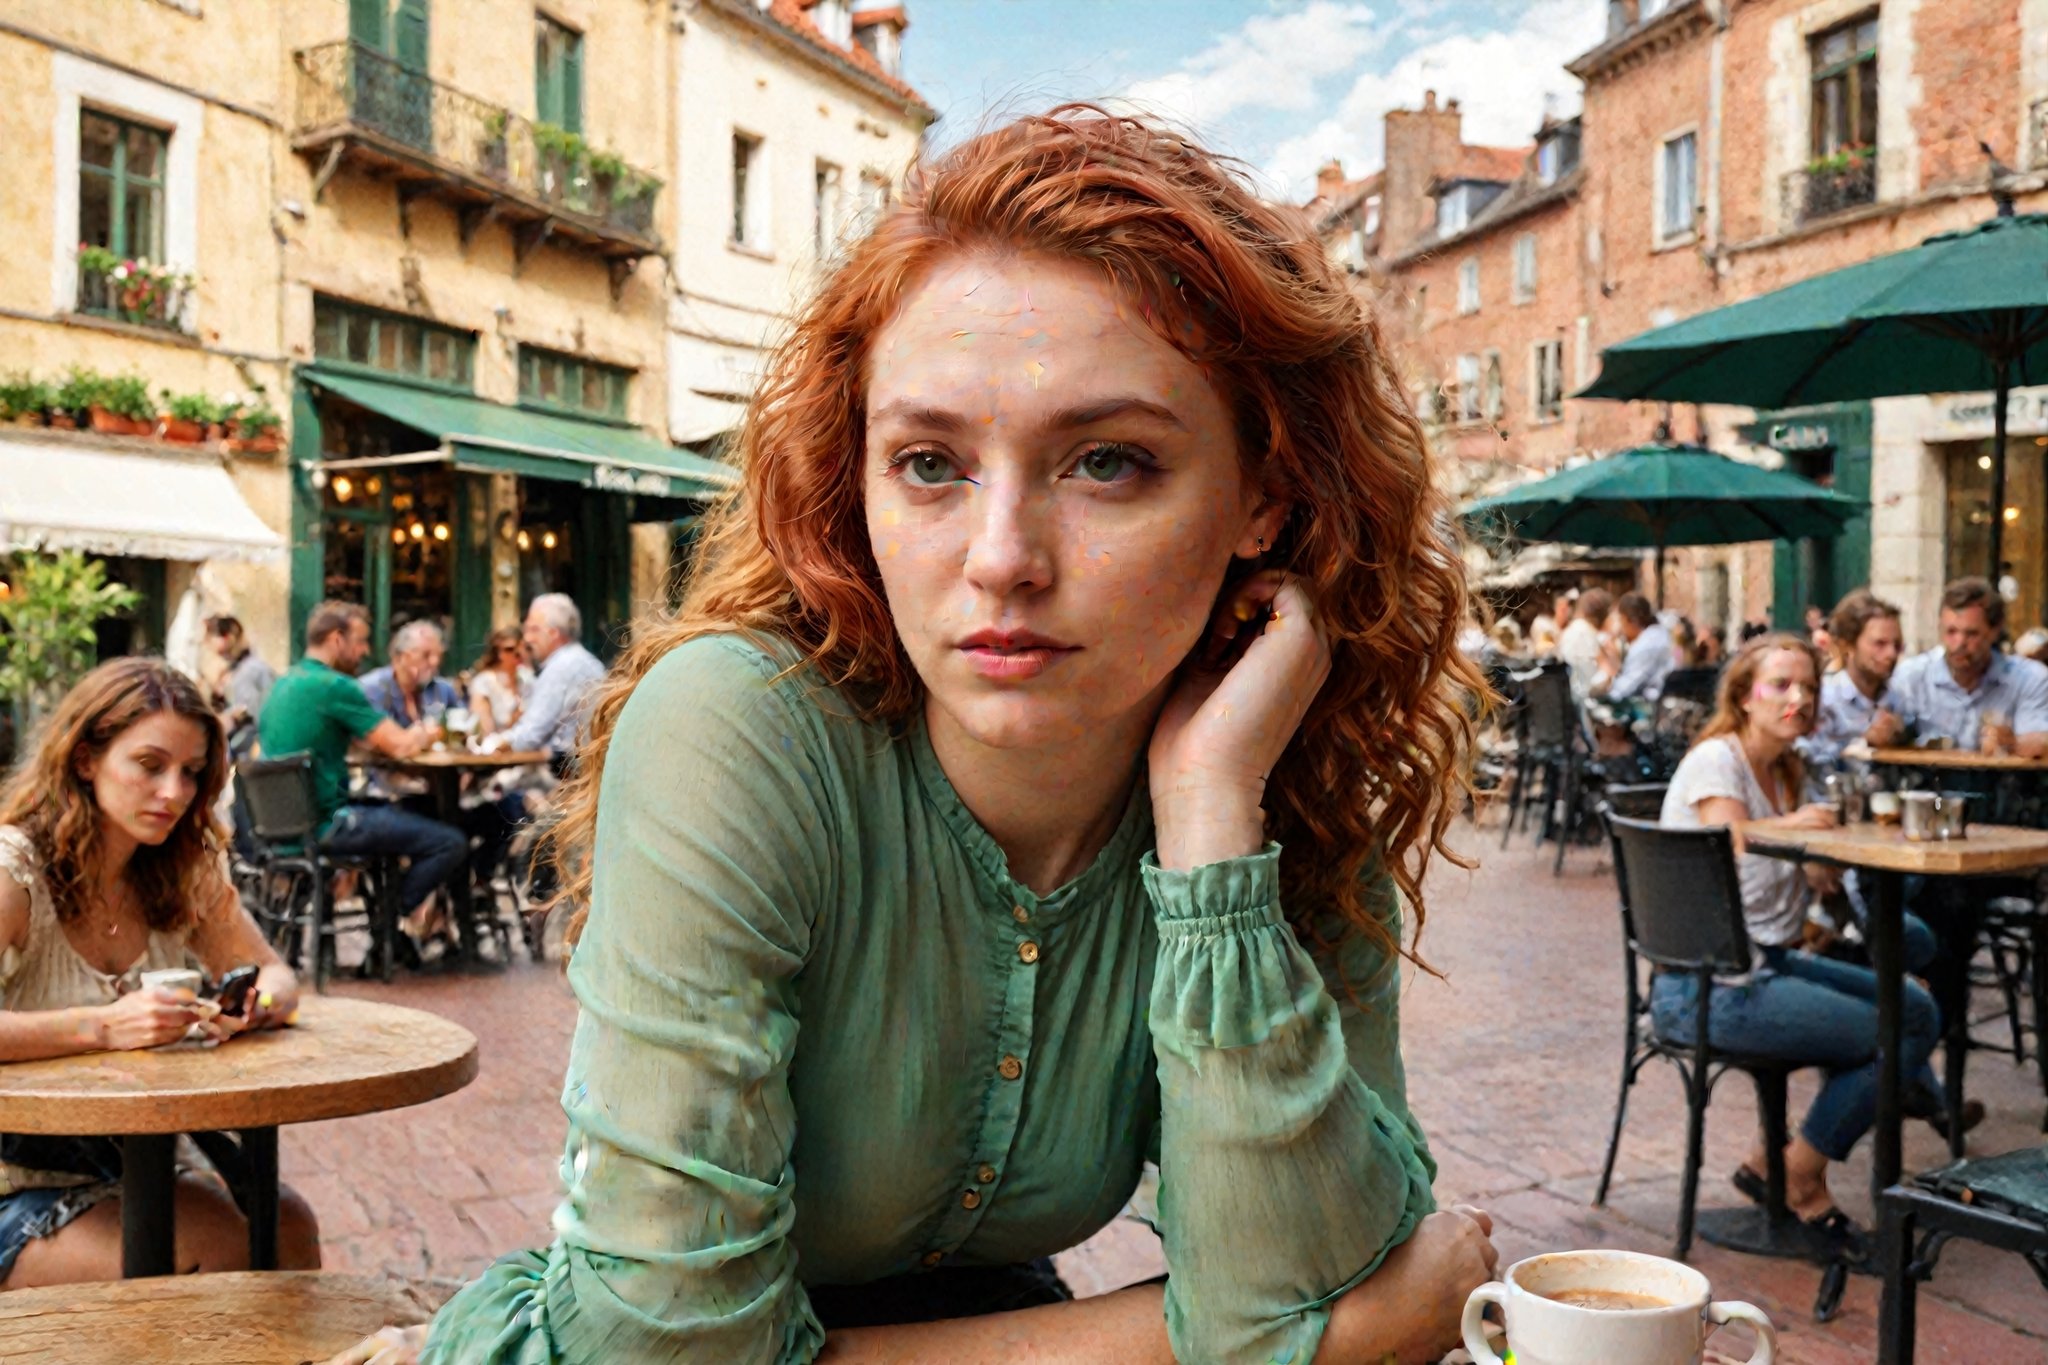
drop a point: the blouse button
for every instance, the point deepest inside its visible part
(1009, 1068)
(1028, 951)
(971, 1200)
(986, 1175)
(932, 1258)
(1020, 914)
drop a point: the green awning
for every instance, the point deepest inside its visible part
(499, 439)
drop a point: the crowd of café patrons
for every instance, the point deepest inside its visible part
(1794, 709)
(526, 694)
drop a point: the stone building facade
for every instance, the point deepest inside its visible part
(1725, 148)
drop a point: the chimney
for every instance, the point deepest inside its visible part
(880, 31)
(1421, 145)
(1329, 179)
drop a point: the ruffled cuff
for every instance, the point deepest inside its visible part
(1215, 897)
(496, 1319)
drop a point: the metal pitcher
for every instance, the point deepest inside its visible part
(1929, 816)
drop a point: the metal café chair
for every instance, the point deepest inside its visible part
(294, 871)
(2001, 1201)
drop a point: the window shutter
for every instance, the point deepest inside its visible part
(410, 40)
(572, 83)
(366, 22)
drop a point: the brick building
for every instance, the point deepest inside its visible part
(1725, 148)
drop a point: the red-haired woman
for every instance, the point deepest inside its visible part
(1028, 787)
(110, 866)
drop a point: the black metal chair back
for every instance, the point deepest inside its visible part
(1692, 684)
(1637, 800)
(1680, 896)
(1550, 717)
(277, 793)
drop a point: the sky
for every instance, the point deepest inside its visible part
(1282, 84)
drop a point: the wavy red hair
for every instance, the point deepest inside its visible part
(48, 800)
(1244, 289)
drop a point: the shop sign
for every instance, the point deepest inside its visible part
(1967, 416)
(1799, 436)
(613, 479)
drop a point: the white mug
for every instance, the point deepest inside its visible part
(1660, 1312)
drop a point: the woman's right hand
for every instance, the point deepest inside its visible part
(390, 1346)
(1816, 815)
(149, 1017)
(1411, 1308)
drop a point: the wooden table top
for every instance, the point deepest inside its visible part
(1964, 759)
(1989, 849)
(343, 1057)
(437, 759)
(260, 1318)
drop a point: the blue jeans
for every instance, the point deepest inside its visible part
(1813, 1010)
(433, 851)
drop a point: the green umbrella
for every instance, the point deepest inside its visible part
(1662, 495)
(1962, 312)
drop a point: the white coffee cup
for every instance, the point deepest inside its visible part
(1670, 1327)
(174, 979)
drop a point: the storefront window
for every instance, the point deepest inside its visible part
(548, 513)
(350, 334)
(1969, 521)
(570, 383)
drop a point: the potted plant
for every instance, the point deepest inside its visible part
(23, 399)
(490, 148)
(73, 399)
(632, 206)
(123, 408)
(562, 163)
(184, 417)
(254, 429)
(46, 628)
(607, 170)
(136, 290)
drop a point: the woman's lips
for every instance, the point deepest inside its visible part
(1013, 665)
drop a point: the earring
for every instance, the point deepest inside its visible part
(1262, 544)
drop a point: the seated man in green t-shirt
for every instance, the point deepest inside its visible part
(318, 709)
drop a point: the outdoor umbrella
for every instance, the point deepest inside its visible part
(1962, 312)
(1662, 495)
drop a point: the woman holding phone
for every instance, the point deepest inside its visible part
(1033, 783)
(110, 867)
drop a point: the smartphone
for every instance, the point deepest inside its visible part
(231, 992)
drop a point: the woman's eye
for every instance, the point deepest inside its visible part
(927, 467)
(1108, 463)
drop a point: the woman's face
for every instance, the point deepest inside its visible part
(1053, 496)
(148, 776)
(1783, 698)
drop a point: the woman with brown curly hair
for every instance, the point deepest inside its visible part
(1028, 787)
(111, 866)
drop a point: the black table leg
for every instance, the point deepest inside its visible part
(1887, 919)
(1959, 935)
(148, 1205)
(259, 1156)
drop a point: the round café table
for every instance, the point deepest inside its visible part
(343, 1057)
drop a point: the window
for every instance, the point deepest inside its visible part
(1468, 388)
(874, 198)
(1452, 211)
(1845, 89)
(121, 185)
(1546, 379)
(1372, 214)
(1493, 393)
(551, 379)
(1678, 189)
(825, 210)
(834, 19)
(1557, 155)
(557, 74)
(351, 334)
(749, 227)
(1468, 285)
(396, 28)
(1525, 267)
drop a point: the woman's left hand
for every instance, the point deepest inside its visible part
(1225, 726)
(275, 998)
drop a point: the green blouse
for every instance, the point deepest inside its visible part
(826, 1038)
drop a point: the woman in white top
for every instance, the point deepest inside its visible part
(110, 866)
(497, 691)
(1794, 1005)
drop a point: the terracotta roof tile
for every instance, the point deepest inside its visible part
(790, 14)
(1500, 164)
(892, 15)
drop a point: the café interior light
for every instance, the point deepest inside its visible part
(398, 535)
(440, 530)
(418, 530)
(342, 487)
(1983, 462)
(525, 541)
(2012, 514)
(547, 540)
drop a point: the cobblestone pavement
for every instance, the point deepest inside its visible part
(1512, 1063)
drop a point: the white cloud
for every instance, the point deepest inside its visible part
(1501, 79)
(1272, 61)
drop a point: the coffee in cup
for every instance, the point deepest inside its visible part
(1606, 1308)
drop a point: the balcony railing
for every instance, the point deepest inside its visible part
(148, 298)
(406, 123)
(1830, 187)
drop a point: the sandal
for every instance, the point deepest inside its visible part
(1849, 1241)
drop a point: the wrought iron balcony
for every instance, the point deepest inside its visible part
(1830, 187)
(359, 109)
